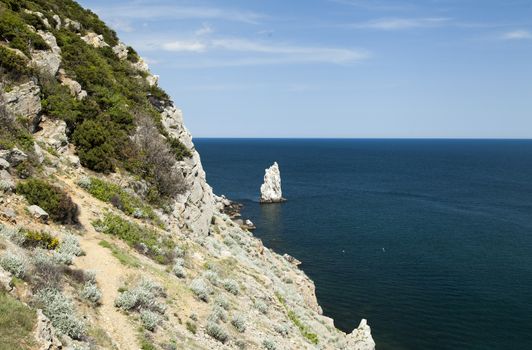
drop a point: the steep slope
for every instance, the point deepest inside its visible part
(107, 222)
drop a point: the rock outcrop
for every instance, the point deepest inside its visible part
(360, 338)
(47, 61)
(95, 40)
(121, 51)
(196, 206)
(45, 333)
(24, 101)
(270, 191)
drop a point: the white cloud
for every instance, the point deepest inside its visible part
(184, 46)
(147, 11)
(517, 35)
(401, 23)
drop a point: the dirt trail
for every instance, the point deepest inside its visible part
(110, 274)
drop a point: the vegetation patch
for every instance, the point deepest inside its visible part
(39, 239)
(123, 257)
(305, 332)
(16, 324)
(56, 202)
(14, 31)
(60, 310)
(144, 239)
(120, 198)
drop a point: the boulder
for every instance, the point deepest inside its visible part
(24, 101)
(152, 80)
(5, 279)
(74, 25)
(121, 51)
(6, 182)
(45, 333)
(38, 213)
(53, 134)
(95, 40)
(9, 214)
(13, 156)
(47, 61)
(72, 85)
(270, 191)
(58, 22)
(4, 164)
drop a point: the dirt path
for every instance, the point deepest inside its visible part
(110, 274)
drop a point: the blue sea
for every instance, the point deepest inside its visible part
(430, 240)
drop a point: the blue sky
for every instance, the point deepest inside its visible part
(338, 68)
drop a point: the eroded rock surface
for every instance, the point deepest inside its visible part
(270, 191)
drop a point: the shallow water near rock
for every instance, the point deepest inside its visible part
(430, 240)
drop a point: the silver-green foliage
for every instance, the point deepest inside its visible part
(91, 292)
(178, 268)
(269, 344)
(231, 286)
(60, 310)
(141, 297)
(200, 288)
(150, 319)
(217, 332)
(14, 263)
(239, 322)
(68, 249)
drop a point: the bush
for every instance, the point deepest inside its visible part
(261, 306)
(200, 289)
(239, 323)
(222, 302)
(60, 310)
(142, 297)
(91, 292)
(14, 235)
(16, 323)
(12, 64)
(68, 249)
(212, 277)
(218, 314)
(282, 329)
(191, 327)
(149, 319)
(217, 332)
(47, 272)
(231, 286)
(39, 239)
(14, 263)
(178, 269)
(269, 344)
(145, 240)
(52, 199)
(120, 198)
(14, 30)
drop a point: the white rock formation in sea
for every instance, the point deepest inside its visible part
(270, 190)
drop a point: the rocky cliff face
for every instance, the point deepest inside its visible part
(202, 281)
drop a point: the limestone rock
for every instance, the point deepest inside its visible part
(13, 156)
(291, 260)
(41, 17)
(95, 40)
(6, 182)
(47, 61)
(9, 214)
(360, 338)
(45, 333)
(195, 207)
(141, 65)
(24, 101)
(72, 85)
(38, 213)
(152, 80)
(4, 164)
(270, 191)
(53, 133)
(74, 25)
(38, 153)
(58, 22)
(121, 51)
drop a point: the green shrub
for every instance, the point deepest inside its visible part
(145, 240)
(16, 324)
(13, 64)
(123, 200)
(14, 30)
(52, 199)
(39, 239)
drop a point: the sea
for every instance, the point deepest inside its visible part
(429, 240)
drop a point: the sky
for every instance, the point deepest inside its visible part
(337, 68)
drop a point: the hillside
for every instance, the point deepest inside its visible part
(110, 236)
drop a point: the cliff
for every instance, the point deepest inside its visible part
(110, 236)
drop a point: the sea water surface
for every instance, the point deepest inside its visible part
(430, 240)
